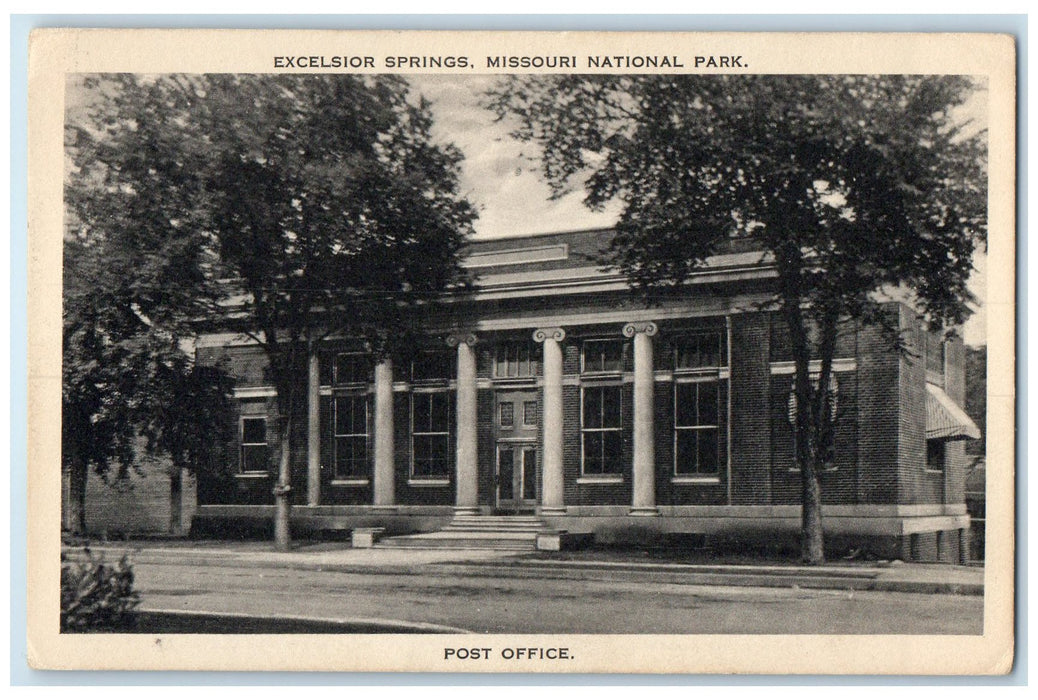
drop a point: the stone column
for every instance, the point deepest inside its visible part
(466, 467)
(644, 481)
(384, 487)
(552, 498)
(313, 432)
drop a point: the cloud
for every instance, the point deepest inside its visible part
(496, 175)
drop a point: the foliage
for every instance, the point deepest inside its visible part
(97, 596)
(136, 273)
(331, 207)
(977, 395)
(297, 206)
(850, 186)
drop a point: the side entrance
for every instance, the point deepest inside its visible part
(517, 416)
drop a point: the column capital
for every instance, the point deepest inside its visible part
(542, 334)
(647, 327)
(458, 337)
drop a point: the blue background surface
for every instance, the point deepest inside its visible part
(21, 25)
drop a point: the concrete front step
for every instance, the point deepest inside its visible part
(492, 527)
(502, 518)
(398, 543)
(463, 540)
(477, 532)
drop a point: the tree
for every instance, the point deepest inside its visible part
(977, 396)
(319, 204)
(333, 210)
(134, 278)
(850, 186)
(126, 379)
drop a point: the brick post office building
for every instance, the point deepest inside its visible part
(552, 391)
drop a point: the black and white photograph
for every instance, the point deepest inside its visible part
(476, 353)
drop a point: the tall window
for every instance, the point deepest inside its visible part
(697, 434)
(516, 359)
(351, 437)
(700, 402)
(603, 355)
(255, 453)
(430, 434)
(600, 427)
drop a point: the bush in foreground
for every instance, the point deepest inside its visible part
(97, 596)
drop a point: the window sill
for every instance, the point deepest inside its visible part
(695, 480)
(350, 482)
(426, 483)
(600, 479)
(247, 476)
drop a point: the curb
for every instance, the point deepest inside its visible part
(355, 625)
(765, 576)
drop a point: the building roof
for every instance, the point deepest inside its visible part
(571, 262)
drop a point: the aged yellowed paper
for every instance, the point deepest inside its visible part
(447, 63)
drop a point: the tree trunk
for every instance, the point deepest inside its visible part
(76, 506)
(812, 550)
(806, 435)
(176, 501)
(282, 491)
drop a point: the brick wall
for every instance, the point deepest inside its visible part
(840, 481)
(571, 441)
(956, 461)
(880, 447)
(486, 447)
(879, 412)
(248, 364)
(917, 485)
(942, 546)
(750, 430)
(136, 504)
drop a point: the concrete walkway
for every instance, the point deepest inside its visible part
(879, 576)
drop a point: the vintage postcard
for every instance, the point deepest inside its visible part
(521, 352)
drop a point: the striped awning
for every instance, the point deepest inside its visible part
(945, 420)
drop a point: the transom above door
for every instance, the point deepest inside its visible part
(517, 415)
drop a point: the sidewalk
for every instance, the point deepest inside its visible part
(877, 576)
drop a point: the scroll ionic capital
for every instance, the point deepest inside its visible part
(647, 327)
(542, 334)
(467, 337)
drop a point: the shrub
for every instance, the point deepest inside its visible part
(97, 596)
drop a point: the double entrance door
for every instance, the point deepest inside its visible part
(517, 417)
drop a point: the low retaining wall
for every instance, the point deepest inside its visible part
(912, 533)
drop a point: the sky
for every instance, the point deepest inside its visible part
(499, 174)
(501, 179)
(504, 185)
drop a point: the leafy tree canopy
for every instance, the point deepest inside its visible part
(328, 198)
(852, 183)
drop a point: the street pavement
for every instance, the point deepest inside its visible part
(500, 591)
